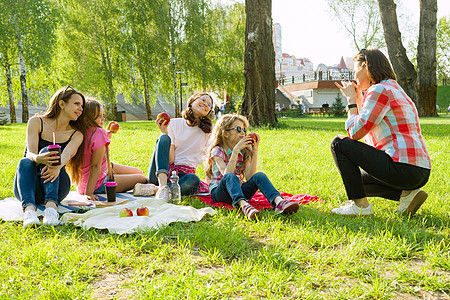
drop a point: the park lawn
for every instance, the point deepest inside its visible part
(310, 255)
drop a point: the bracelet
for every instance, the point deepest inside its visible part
(351, 106)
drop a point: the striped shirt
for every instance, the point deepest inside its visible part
(388, 120)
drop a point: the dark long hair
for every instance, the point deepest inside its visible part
(74, 165)
(376, 64)
(205, 123)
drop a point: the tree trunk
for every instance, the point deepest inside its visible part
(175, 90)
(110, 97)
(403, 68)
(148, 108)
(426, 59)
(23, 72)
(258, 102)
(12, 109)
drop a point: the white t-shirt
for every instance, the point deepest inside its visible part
(190, 142)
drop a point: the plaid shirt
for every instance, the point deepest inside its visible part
(388, 121)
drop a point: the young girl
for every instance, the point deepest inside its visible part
(181, 147)
(94, 173)
(233, 156)
(37, 179)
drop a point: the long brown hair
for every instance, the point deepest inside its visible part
(224, 123)
(376, 63)
(74, 165)
(205, 123)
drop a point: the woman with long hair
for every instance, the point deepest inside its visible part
(41, 176)
(180, 147)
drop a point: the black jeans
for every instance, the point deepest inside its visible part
(379, 175)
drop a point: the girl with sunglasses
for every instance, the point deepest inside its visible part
(180, 148)
(393, 163)
(233, 157)
(41, 176)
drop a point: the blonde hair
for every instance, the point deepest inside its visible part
(224, 123)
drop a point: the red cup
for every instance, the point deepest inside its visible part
(55, 148)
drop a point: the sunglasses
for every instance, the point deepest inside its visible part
(363, 52)
(61, 95)
(238, 129)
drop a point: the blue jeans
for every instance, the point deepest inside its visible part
(231, 191)
(189, 183)
(29, 186)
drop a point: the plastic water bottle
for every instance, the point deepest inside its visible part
(175, 188)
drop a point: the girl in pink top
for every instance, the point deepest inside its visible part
(95, 168)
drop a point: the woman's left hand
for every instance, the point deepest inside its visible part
(255, 145)
(50, 173)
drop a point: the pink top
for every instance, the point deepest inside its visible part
(95, 138)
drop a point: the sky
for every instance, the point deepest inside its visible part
(308, 30)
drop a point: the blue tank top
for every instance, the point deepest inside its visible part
(44, 143)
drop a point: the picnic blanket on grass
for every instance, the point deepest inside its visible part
(260, 202)
(107, 217)
(160, 214)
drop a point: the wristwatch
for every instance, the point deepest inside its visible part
(351, 106)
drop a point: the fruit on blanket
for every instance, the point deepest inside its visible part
(254, 136)
(113, 126)
(142, 211)
(125, 212)
(165, 116)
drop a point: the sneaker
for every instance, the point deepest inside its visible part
(30, 219)
(286, 207)
(50, 217)
(141, 189)
(411, 203)
(349, 208)
(249, 211)
(164, 194)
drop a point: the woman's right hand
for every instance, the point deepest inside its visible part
(162, 125)
(47, 158)
(348, 89)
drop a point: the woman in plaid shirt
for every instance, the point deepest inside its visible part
(393, 163)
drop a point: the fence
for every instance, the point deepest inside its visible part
(319, 75)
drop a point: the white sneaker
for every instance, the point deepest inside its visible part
(411, 203)
(141, 189)
(164, 194)
(50, 217)
(349, 208)
(30, 219)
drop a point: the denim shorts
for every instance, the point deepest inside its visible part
(101, 189)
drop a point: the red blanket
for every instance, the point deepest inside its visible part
(260, 202)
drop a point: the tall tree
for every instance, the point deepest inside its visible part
(258, 102)
(93, 33)
(443, 48)
(7, 54)
(419, 84)
(361, 20)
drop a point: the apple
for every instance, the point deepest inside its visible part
(125, 212)
(142, 211)
(254, 137)
(165, 116)
(113, 126)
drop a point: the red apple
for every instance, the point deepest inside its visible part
(254, 136)
(142, 211)
(113, 126)
(125, 212)
(165, 116)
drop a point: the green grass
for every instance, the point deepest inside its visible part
(311, 255)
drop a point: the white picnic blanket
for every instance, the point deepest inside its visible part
(160, 214)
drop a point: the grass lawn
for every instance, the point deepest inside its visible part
(311, 255)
